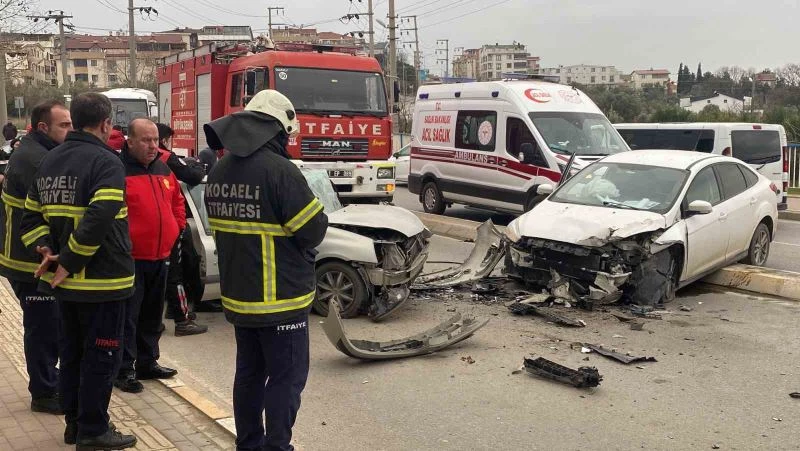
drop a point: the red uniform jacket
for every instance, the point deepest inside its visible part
(156, 212)
(116, 140)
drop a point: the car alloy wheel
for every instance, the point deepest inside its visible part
(339, 281)
(432, 201)
(759, 246)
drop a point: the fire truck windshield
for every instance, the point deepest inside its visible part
(332, 91)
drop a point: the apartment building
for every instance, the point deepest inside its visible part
(585, 74)
(467, 65)
(649, 77)
(499, 59)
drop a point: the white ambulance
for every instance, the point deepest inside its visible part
(491, 144)
(763, 146)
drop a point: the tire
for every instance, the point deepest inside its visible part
(340, 281)
(432, 200)
(532, 201)
(656, 279)
(758, 252)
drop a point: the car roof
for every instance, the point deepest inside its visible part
(678, 159)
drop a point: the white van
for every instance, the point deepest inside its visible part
(763, 146)
(490, 144)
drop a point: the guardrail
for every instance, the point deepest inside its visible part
(794, 165)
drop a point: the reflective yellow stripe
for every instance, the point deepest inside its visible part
(246, 228)
(257, 308)
(92, 284)
(13, 201)
(81, 249)
(32, 205)
(112, 194)
(9, 214)
(30, 237)
(305, 215)
(18, 265)
(68, 211)
(123, 213)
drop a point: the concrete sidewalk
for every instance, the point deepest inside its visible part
(159, 418)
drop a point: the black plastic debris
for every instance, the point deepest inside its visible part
(527, 309)
(583, 377)
(482, 287)
(795, 395)
(626, 359)
(644, 311)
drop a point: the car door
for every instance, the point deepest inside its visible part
(707, 239)
(740, 200)
(515, 173)
(474, 174)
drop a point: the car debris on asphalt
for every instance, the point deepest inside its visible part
(583, 377)
(456, 329)
(519, 308)
(795, 395)
(624, 358)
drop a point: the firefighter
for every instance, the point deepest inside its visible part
(156, 214)
(17, 264)
(191, 172)
(75, 218)
(266, 222)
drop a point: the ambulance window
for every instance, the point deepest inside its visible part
(517, 134)
(476, 130)
(236, 89)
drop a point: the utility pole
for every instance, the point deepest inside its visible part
(131, 45)
(417, 62)
(392, 54)
(446, 59)
(277, 9)
(58, 18)
(371, 13)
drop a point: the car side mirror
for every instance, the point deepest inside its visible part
(526, 153)
(544, 189)
(699, 207)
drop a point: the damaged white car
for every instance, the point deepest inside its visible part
(368, 259)
(638, 225)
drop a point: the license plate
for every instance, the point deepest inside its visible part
(340, 173)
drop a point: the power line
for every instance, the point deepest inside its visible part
(188, 11)
(110, 6)
(460, 3)
(226, 11)
(466, 14)
(413, 6)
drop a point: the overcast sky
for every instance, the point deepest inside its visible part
(629, 34)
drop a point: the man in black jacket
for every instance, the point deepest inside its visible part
(51, 122)
(267, 223)
(75, 217)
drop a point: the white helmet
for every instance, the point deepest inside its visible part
(277, 105)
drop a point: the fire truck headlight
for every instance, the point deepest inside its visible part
(385, 173)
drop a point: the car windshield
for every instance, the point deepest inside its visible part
(625, 186)
(332, 91)
(318, 181)
(579, 133)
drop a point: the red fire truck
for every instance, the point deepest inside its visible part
(340, 100)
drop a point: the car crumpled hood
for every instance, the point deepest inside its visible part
(582, 224)
(379, 217)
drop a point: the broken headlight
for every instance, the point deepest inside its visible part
(386, 173)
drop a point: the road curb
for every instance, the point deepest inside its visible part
(789, 215)
(207, 407)
(772, 282)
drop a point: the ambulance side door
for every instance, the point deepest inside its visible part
(521, 162)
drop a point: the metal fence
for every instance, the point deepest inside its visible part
(794, 165)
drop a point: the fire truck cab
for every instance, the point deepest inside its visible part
(340, 100)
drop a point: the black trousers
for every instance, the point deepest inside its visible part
(40, 323)
(271, 373)
(90, 350)
(143, 318)
(177, 304)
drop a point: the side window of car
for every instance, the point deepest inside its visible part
(476, 130)
(731, 178)
(518, 134)
(704, 187)
(749, 176)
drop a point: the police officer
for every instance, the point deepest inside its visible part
(267, 223)
(75, 217)
(51, 121)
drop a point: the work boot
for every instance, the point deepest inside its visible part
(71, 432)
(155, 372)
(49, 404)
(189, 327)
(110, 440)
(128, 383)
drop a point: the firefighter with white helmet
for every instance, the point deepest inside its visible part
(266, 223)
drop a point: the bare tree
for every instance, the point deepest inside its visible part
(13, 22)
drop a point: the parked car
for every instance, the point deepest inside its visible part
(402, 160)
(763, 146)
(368, 259)
(641, 224)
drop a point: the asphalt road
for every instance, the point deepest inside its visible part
(723, 376)
(783, 253)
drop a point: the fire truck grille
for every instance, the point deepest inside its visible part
(315, 147)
